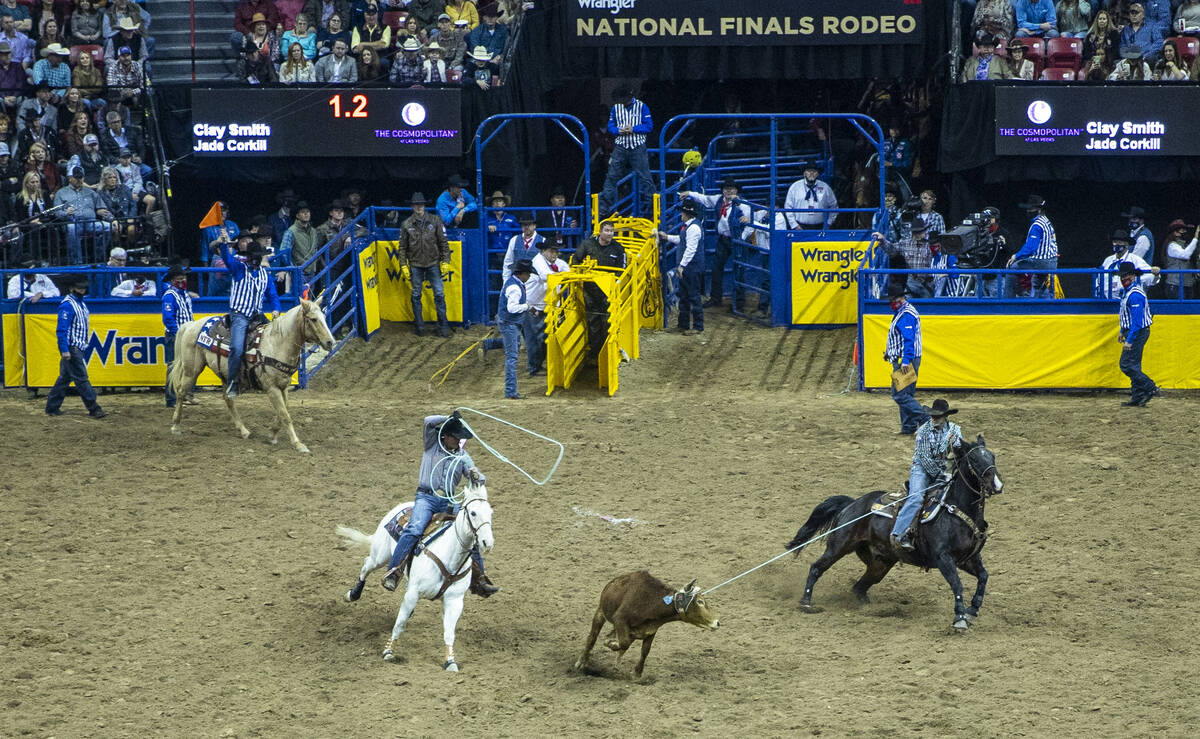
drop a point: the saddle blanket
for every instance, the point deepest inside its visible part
(888, 505)
(214, 336)
(395, 527)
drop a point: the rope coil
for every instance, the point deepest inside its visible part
(456, 461)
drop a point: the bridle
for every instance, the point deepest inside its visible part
(980, 476)
(466, 506)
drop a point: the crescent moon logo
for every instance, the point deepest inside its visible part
(1039, 111)
(413, 114)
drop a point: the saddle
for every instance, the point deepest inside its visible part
(439, 524)
(935, 498)
(395, 527)
(214, 337)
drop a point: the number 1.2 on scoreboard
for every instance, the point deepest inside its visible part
(358, 109)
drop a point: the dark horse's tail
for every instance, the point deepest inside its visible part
(822, 519)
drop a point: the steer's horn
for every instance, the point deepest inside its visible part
(691, 587)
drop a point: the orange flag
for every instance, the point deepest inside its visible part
(213, 217)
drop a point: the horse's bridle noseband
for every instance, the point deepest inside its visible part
(474, 530)
(980, 476)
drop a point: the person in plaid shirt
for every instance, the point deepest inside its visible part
(935, 438)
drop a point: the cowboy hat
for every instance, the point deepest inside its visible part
(1015, 44)
(258, 18)
(78, 280)
(527, 218)
(1135, 211)
(1121, 234)
(337, 204)
(1131, 52)
(418, 198)
(175, 270)
(499, 195)
(1128, 269)
(480, 53)
(410, 44)
(456, 428)
(688, 207)
(523, 266)
(896, 290)
(433, 46)
(940, 409)
(455, 180)
(730, 182)
(1178, 223)
(1033, 202)
(127, 23)
(56, 48)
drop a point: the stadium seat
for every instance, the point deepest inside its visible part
(95, 50)
(1064, 53)
(1057, 74)
(453, 75)
(1189, 48)
(394, 18)
(1035, 49)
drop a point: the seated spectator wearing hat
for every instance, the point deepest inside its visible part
(246, 15)
(434, 67)
(14, 83)
(479, 67)
(332, 30)
(1036, 18)
(338, 66)
(302, 34)
(690, 271)
(464, 10)
(127, 34)
(88, 216)
(40, 104)
(1143, 240)
(407, 68)
(372, 34)
(733, 219)
(254, 67)
(1108, 284)
(264, 38)
(1138, 32)
(37, 133)
(52, 69)
(524, 245)
(297, 69)
(984, 65)
(1019, 68)
(1131, 67)
(31, 286)
(491, 34)
(91, 160)
(425, 254)
(456, 205)
(124, 78)
(1181, 256)
(546, 263)
(511, 319)
(501, 226)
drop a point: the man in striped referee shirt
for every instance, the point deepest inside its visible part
(904, 351)
(74, 332)
(251, 284)
(629, 120)
(1040, 251)
(1135, 321)
(176, 311)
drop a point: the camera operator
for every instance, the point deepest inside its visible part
(913, 248)
(993, 249)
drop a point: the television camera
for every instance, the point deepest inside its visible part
(974, 242)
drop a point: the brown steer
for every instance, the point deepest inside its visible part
(638, 604)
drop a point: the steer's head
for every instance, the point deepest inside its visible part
(693, 609)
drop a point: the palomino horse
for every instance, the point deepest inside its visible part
(952, 540)
(440, 570)
(282, 340)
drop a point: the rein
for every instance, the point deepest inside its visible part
(449, 578)
(978, 535)
(272, 362)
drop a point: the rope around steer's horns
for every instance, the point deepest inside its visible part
(818, 537)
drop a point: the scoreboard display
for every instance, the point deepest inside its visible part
(326, 122)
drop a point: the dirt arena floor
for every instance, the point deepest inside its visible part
(155, 585)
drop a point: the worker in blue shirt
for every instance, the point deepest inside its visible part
(629, 121)
(74, 331)
(457, 206)
(904, 352)
(899, 154)
(1135, 320)
(1040, 251)
(1036, 18)
(176, 311)
(251, 284)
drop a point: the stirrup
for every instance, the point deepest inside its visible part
(391, 579)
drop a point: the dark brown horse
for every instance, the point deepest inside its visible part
(951, 541)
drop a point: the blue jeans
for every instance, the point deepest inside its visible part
(691, 307)
(237, 340)
(917, 480)
(75, 233)
(912, 414)
(620, 164)
(1141, 386)
(510, 339)
(169, 359)
(425, 505)
(72, 370)
(432, 275)
(535, 340)
(1026, 33)
(1038, 284)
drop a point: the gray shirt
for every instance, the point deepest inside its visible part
(85, 201)
(438, 471)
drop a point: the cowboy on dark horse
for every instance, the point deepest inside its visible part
(935, 438)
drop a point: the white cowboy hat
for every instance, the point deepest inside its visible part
(433, 47)
(411, 44)
(56, 48)
(481, 53)
(127, 24)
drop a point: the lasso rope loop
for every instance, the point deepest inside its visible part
(455, 459)
(818, 537)
(561, 449)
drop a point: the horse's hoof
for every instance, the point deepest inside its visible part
(810, 608)
(961, 624)
(970, 617)
(388, 656)
(613, 644)
(175, 430)
(244, 434)
(302, 449)
(450, 666)
(351, 596)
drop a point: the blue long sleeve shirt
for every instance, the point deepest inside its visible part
(1149, 38)
(73, 326)
(237, 270)
(1031, 14)
(446, 205)
(1040, 243)
(1134, 313)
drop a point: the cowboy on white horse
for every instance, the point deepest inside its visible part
(443, 465)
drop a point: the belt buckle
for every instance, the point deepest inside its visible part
(439, 492)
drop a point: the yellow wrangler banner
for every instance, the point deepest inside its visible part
(825, 281)
(125, 350)
(369, 287)
(395, 291)
(1011, 352)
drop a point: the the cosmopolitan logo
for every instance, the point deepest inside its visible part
(122, 350)
(612, 6)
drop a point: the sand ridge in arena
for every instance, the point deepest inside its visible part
(160, 585)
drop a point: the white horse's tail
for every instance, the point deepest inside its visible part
(175, 378)
(353, 537)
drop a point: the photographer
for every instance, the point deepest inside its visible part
(992, 251)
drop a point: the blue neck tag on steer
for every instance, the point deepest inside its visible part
(668, 599)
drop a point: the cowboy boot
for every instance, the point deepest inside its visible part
(481, 585)
(391, 579)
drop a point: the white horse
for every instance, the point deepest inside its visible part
(282, 342)
(443, 570)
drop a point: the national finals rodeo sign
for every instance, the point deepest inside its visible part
(744, 22)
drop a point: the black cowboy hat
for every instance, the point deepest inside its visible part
(896, 290)
(526, 218)
(78, 280)
(1033, 202)
(1128, 269)
(688, 206)
(621, 93)
(804, 166)
(523, 266)
(985, 40)
(730, 182)
(1135, 211)
(259, 220)
(350, 190)
(456, 428)
(337, 204)
(455, 180)
(1179, 223)
(919, 226)
(175, 270)
(940, 409)
(1121, 234)
(552, 241)
(301, 205)
(558, 191)
(418, 198)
